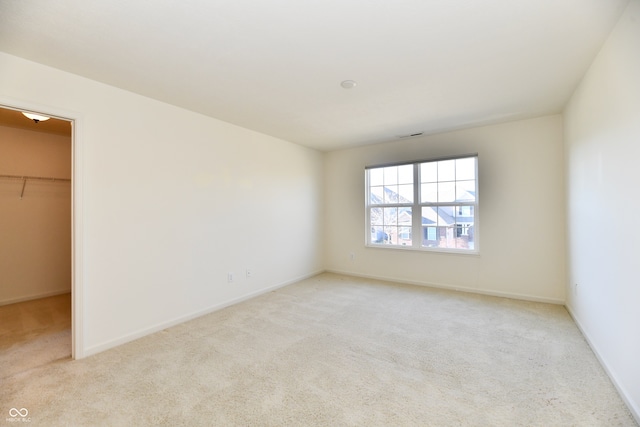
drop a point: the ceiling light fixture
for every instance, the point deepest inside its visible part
(348, 84)
(36, 117)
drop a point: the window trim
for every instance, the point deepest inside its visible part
(416, 208)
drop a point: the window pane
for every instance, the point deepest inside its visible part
(464, 212)
(391, 234)
(403, 231)
(429, 172)
(391, 226)
(429, 215)
(429, 193)
(378, 235)
(404, 216)
(404, 236)
(391, 194)
(465, 191)
(376, 176)
(376, 195)
(406, 193)
(466, 169)
(465, 221)
(446, 191)
(405, 174)
(429, 237)
(376, 217)
(446, 216)
(390, 216)
(455, 227)
(447, 170)
(446, 237)
(391, 175)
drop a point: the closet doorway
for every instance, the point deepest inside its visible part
(35, 240)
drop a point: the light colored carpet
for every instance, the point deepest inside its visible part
(338, 351)
(34, 333)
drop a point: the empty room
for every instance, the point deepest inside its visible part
(318, 213)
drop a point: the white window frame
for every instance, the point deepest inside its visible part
(417, 228)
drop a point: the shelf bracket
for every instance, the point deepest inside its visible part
(24, 184)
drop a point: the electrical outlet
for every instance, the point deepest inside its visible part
(352, 257)
(249, 273)
(230, 277)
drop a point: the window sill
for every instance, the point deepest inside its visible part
(425, 250)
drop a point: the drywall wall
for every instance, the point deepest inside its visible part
(35, 231)
(602, 125)
(171, 202)
(521, 212)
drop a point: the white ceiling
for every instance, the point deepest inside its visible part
(275, 66)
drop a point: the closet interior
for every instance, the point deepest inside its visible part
(35, 240)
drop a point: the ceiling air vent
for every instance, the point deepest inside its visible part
(411, 135)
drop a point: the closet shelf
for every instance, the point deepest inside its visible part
(25, 178)
(42, 178)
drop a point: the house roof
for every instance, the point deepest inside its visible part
(276, 66)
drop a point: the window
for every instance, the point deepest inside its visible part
(429, 205)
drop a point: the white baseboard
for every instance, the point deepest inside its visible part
(622, 391)
(178, 320)
(454, 288)
(32, 297)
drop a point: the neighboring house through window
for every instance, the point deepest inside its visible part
(428, 205)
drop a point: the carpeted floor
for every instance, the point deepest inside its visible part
(34, 333)
(338, 351)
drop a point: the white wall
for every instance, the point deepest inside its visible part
(172, 201)
(35, 231)
(602, 125)
(521, 212)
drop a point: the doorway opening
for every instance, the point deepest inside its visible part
(37, 248)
